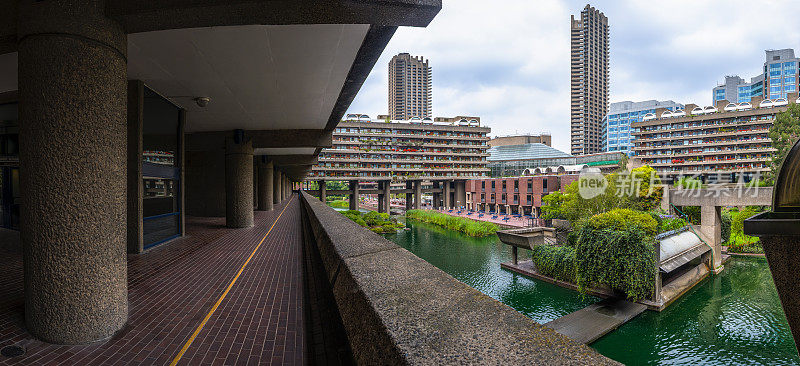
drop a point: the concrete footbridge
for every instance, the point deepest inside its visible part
(711, 201)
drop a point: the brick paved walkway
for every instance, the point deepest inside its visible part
(171, 289)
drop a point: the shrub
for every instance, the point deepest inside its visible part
(691, 213)
(726, 225)
(673, 223)
(339, 204)
(688, 183)
(554, 261)
(462, 224)
(375, 218)
(377, 222)
(623, 219)
(737, 240)
(616, 249)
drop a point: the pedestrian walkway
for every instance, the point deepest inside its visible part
(217, 295)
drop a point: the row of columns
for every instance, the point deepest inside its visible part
(73, 142)
(272, 186)
(450, 197)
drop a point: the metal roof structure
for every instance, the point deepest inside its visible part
(525, 152)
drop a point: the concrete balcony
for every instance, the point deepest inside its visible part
(708, 153)
(705, 135)
(704, 144)
(707, 127)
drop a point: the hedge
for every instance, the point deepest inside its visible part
(555, 261)
(616, 249)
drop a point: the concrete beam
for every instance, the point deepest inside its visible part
(152, 15)
(284, 161)
(262, 139)
(755, 196)
(296, 172)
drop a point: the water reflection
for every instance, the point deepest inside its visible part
(731, 319)
(476, 262)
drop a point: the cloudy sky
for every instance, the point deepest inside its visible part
(507, 61)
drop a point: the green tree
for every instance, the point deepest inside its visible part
(783, 133)
(551, 205)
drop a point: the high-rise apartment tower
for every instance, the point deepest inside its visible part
(410, 91)
(589, 80)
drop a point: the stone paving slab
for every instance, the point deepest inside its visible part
(172, 287)
(594, 321)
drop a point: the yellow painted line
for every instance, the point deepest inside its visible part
(222, 297)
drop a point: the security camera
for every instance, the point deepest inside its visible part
(202, 102)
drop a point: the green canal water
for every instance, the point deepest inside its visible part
(734, 318)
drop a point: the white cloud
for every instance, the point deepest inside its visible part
(508, 61)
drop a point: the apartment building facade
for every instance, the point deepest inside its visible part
(419, 149)
(543, 138)
(520, 195)
(410, 87)
(716, 145)
(588, 81)
(617, 136)
(778, 79)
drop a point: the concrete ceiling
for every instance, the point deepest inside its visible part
(258, 77)
(286, 151)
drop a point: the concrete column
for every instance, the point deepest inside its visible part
(73, 155)
(323, 191)
(447, 203)
(384, 203)
(387, 195)
(461, 193)
(711, 227)
(276, 186)
(255, 182)
(265, 182)
(285, 187)
(238, 183)
(354, 195)
(409, 197)
(417, 194)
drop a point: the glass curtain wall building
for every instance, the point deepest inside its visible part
(778, 80)
(617, 136)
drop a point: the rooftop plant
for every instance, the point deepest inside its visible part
(380, 223)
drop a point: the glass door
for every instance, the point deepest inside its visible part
(160, 171)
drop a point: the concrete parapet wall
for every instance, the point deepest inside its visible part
(399, 309)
